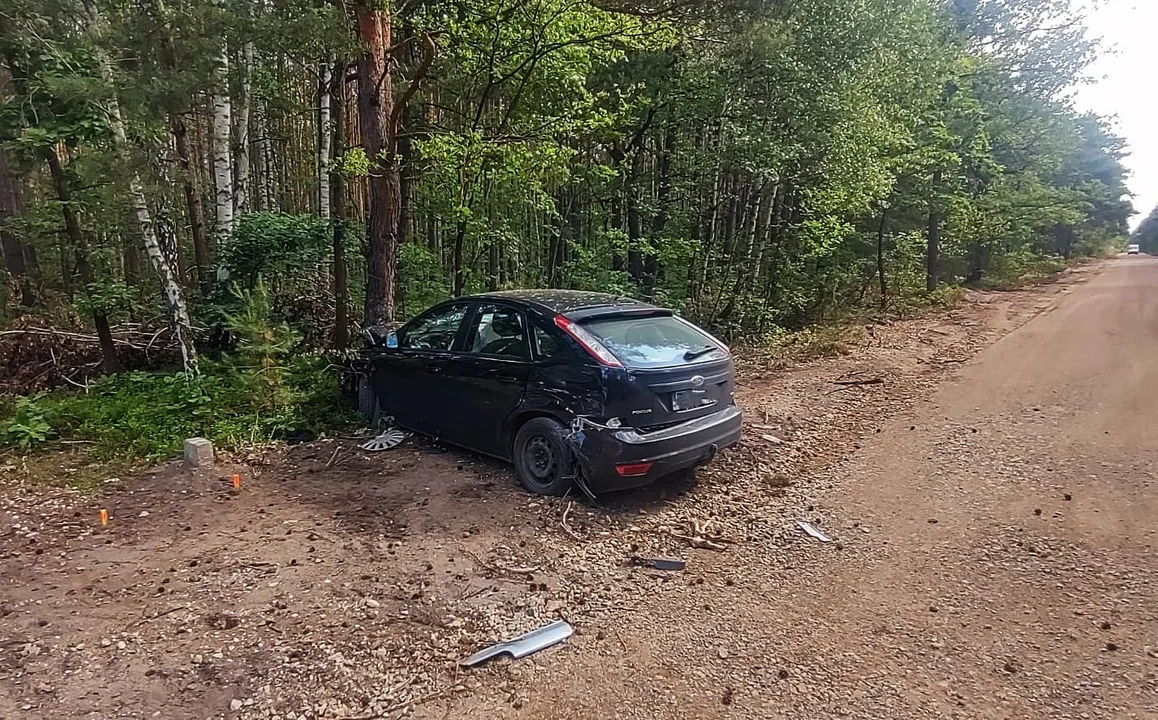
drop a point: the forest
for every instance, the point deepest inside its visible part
(201, 201)
(1146, 234)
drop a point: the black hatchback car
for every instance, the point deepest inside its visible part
(568, 386)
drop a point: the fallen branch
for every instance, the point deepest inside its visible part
(70, 336)
(500, 568)
(161, 614)
(867, 381)
(703, 537)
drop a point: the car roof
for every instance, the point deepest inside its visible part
(568, 302)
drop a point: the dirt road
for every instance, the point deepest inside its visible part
(999, 555)
(991, 501)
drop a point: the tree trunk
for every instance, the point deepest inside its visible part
(15, 253)
(109, 361)
(933, 254)
(881, 259)
(326, 132)
(634, 221)
(174, 297)
(222, 159)
(456, 258)
(933, 238)
(375, 110)
(202, 257)
(406, 176)
(240, 122)
(338, 212)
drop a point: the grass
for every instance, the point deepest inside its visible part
(133, 419)
(788, 348)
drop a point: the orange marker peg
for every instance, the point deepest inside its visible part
(104, 517)
(236, 482)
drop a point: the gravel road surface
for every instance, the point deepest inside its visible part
(989, 489)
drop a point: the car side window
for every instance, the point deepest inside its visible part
(499, 331)
(435, 331)
(547, 346)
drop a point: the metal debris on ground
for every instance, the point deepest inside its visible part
(658, 563)
(388, 440)
(812, 531)
(523, 645)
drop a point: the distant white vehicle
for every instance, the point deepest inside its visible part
(1132, 249)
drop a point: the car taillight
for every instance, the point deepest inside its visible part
(589, 342)
(633, 470)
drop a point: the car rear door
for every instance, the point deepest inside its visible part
(489, 377)
(411, 385)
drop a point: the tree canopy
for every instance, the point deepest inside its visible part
(753, 163)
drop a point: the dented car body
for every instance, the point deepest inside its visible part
(571, 387)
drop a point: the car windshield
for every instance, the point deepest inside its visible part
(650, 342)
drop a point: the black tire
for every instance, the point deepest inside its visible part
(542, 457)
(368, 406)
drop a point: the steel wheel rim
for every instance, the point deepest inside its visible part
(541, 460)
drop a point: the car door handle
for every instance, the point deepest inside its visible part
(435, 368)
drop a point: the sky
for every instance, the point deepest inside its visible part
(1125, 87)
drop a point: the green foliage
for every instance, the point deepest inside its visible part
(26, 427)
(263, 348)
(147, 416)
(275, 245)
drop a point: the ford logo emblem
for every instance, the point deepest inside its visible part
(698, 381)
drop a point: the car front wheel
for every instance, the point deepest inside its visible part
(543, 459)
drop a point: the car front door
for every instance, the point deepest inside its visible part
(412, 385)
(488, 377)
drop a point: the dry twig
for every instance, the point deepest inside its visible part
(566, 526)
(702, 536)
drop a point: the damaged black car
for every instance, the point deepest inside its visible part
(570, 387)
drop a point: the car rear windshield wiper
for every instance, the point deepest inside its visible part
(693, 354)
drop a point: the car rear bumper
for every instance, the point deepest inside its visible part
(667, 451)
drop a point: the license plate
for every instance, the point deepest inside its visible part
(691, 399)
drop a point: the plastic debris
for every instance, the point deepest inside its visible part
(658, 563)
(523, 645)
(388, 440)
(812, 531)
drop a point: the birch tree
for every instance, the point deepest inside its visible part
(225, 201)
(325, 137)
(174, 297)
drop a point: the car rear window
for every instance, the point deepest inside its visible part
(653, 341)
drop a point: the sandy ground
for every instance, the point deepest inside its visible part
(991, 502)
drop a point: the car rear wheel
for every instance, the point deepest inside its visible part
(543, 459)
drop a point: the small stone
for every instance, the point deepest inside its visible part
(144, 513)
(723, 654)
(1068, 497)
(1037, 511)
(1105, 626)
(371, 603)
(198, 659)
(235, 704)
(1112, 647)
(121, 645)
(933, 521)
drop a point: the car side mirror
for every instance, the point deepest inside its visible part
(380, 337)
